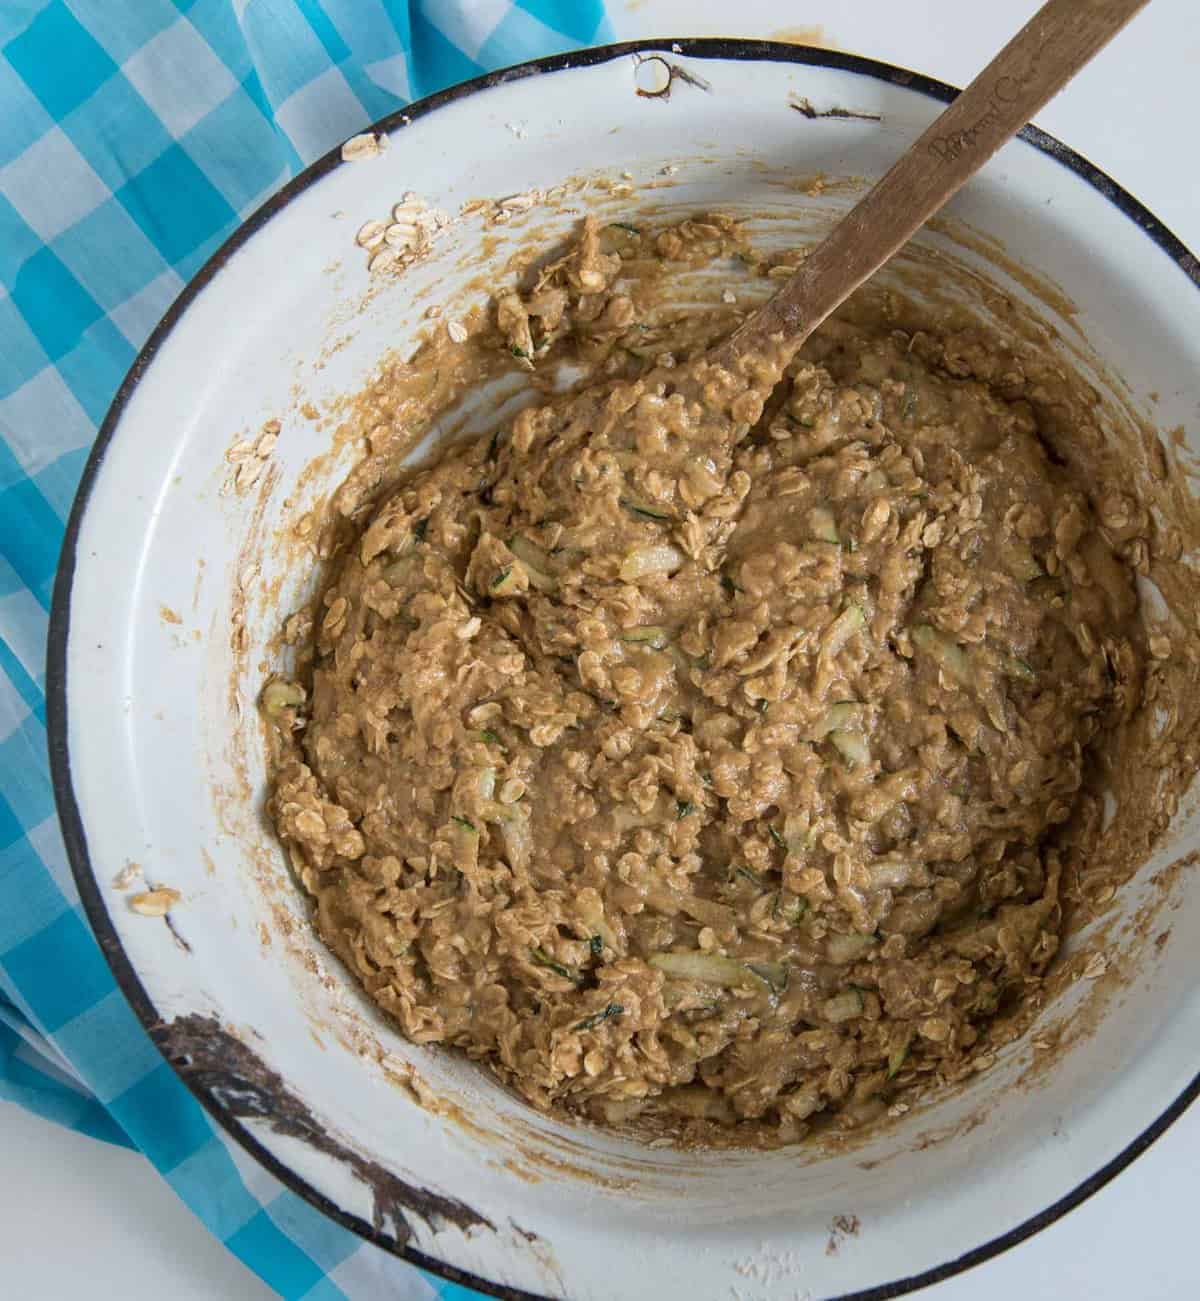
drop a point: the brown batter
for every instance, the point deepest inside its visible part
(709, 750)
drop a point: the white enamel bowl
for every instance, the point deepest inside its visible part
(154, 763)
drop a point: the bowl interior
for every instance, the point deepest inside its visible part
(182, 578)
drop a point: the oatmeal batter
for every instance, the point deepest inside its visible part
(709, 771)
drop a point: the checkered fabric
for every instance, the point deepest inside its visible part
(134, 136)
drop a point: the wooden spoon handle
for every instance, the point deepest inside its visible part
(1056, 42)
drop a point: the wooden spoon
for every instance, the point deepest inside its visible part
(1044, 55)
(720, 395)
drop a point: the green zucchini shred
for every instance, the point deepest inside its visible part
(773, 974)
(898, 1056)
(503, 583)
(646, 511)
(605, 1014)
(541, 958)
(795, 911)
(652, 635)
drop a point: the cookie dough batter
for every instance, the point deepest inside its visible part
(704, 774)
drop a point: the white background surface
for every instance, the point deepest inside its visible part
(80, 1219)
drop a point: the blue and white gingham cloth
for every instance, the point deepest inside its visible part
(135, 135)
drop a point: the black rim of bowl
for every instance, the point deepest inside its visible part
(73, 830)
